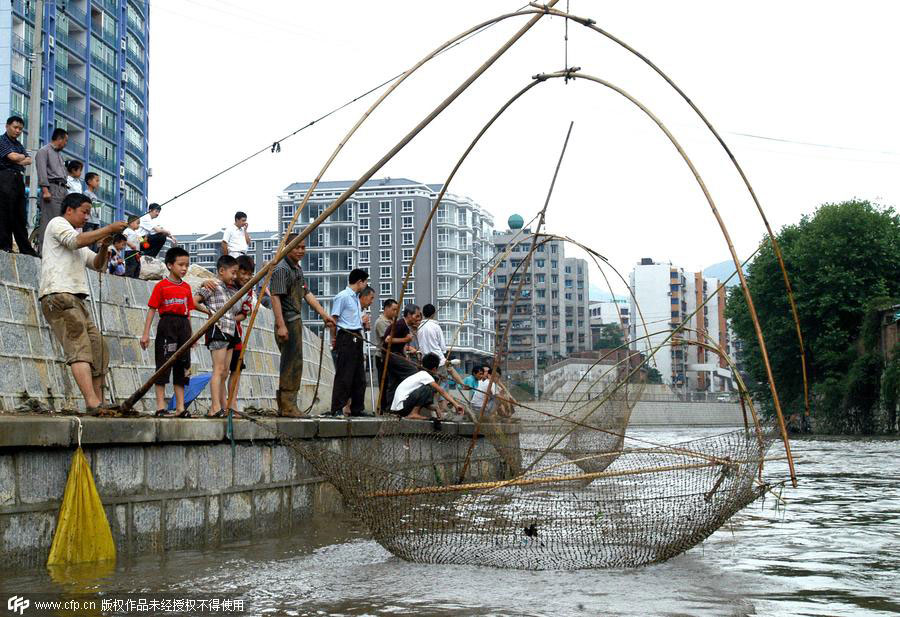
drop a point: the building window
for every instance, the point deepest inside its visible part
(384, 239)
(410, 289)
(443, 237)
(408, 238)
(554, 264)
(407, 205)
(541, 278)
(540, 263)
(363, 207)
(407, 222)
(407, 254)
(384, 289)
(385, 272)
(553, 248)
(443, 286)
(542, 293)
(364, 224)
(500, 279)
(384, 255)
(411, 270)
(442, 262)
(384, 207)
(364, 257)
(568, 296)
(541, 323)
(364, 239)
(542, 338)
(384, 222)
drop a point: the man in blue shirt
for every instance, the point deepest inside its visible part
(349, 367)
(13, 207)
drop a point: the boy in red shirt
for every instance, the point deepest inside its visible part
(173, 299)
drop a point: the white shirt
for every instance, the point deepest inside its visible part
(146, 225)
(478, 394)
(73, 185)
(236, 240)
(407, 386)
(431, 339)
(132, 238)
(63, 263)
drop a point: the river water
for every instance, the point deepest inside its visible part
(832, 548)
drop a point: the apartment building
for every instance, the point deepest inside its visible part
(668, 298)
(377, 229)
(547, 303)
(205, 249)
(617, 312)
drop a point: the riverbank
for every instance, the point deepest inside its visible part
(172, 483)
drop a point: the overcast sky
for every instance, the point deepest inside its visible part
(228, 77)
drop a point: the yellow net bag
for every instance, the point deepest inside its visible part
(82, 531)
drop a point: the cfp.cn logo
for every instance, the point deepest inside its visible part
(17, 605)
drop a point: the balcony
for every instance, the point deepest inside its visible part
(136, 88)
(75, 148)
(134, 178)
(108, 36)
(105, 66)
(23, 81)
(73, 111)
(76, 16)
(134, 148)
(103, 97)
(135, 117)
(105, 131)
(21, 45)
(136, 26)
(105, 196)
(19, 8)
(107, 164)
(71, 77)
(71, 44)
(138, 60)
(109, 5)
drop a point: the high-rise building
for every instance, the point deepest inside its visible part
(669, 298)
(377, 229)
(550, 312)
(93, 83)
(205, 249)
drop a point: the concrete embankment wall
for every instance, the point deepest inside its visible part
(32, 364)
(168, 484)
(661, 414)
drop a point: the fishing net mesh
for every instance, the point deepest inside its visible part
(564, 492)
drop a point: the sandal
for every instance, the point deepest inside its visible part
(163, 413)
(219, 414)
(184, 413)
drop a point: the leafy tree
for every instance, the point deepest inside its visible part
(653, 375)
(843, 262)
(610, 337)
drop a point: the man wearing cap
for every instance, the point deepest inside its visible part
(154, 235)
(13, 207)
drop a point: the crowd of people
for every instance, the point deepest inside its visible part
(410, 351)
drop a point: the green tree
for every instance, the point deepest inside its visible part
(610, 337)
(653, 375)
(843, 262)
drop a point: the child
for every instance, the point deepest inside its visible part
(91, 184)
(219, 337)
(173, 300)
(245, 270)
(133, 247)
(73, 179)
(117, 256)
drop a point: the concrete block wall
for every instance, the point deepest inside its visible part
(32, 363)
(169, 484)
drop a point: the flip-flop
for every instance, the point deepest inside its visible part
(183, 414)
(219, 414)
(162, 413)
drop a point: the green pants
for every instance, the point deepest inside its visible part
(290, 369)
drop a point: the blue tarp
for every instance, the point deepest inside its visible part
(196, 385)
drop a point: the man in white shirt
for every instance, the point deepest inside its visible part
(416, 392)
(154, 235)
(430, 336)
(64, 288)
(236, 239)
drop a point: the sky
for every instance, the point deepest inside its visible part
(805, 93)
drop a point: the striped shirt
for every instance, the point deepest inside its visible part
(290, 286)
(215, 300)
(9, 145)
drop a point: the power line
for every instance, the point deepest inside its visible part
(276, 145)
(815, 145)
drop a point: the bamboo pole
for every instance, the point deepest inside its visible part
(129, 403)
(473, 486)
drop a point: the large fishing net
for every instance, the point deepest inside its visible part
(563, 486)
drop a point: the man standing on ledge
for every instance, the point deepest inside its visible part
(289, 289)
(236, 240)
(51, 174)
(64, 288)
(13, 206)
(350, 368)
(154, 235)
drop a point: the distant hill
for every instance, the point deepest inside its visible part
(599, 294)
(722, 271)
